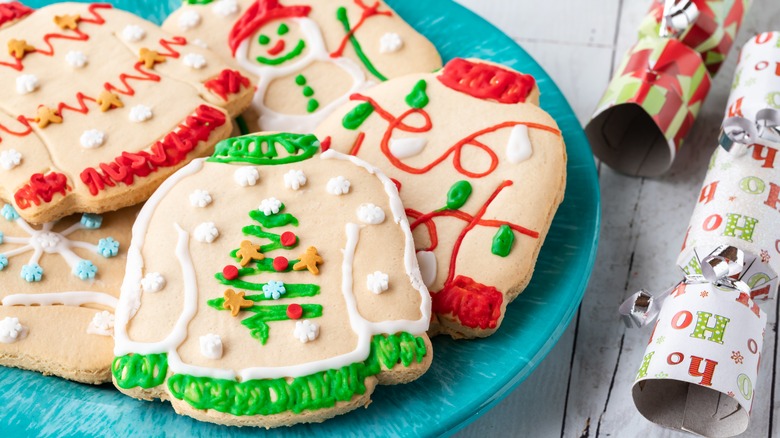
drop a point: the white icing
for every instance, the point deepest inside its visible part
(315, 52)
(211, 346)
(10, 158)
(102, 324)
(246, 176)
(27, 83)
(133, 33)
(194, 61)
(153, 282)
(377, 282)
(294, 179)
(140, 113)
(11, 330)
(92, 138)
(407, 147)
(306, 331)
(225, 8)
(76, 59)
(428, 267)
(200, 198)
(370, 214)
(200, 43)
(519, 147)
(390, 42)
(338, 186)
(270, 206)
(72, 299)
(206, 232)
(189, 19)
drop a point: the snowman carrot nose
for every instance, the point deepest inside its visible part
(277, 48)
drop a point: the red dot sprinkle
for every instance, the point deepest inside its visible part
(281, 263)
(288, 238)
(230, 272)
(294, 311)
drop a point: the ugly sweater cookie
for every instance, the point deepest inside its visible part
(307, 55)
(99, 106)
(292, 287)
(481, 170)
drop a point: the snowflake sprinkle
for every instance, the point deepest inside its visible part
(11, 330)
(306, 331)
(294, 179)
(377, 282)
(153, 282)
(270, 206)
(102, 324)
(338, 186)
(274, 290)
(9, 159)
(206, 232)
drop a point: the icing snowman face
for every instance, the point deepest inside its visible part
(277, 43)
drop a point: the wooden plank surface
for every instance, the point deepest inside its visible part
(583, 387)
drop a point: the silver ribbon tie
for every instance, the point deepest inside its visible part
(737, 133)
(678, 17)
(719, 268)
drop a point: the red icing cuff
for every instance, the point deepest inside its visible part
(13, 11)
(473, 304)
(41, 188)
(486, 81)
(226, 83)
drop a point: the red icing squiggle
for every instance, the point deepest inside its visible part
(258, 14)
(13, 11)
(486, 81)
(368, 12)
(170, 51)
(41, 188)
(23, 133)
(226, 83)
(124, 77)
(168, 152)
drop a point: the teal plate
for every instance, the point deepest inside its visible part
(467, 377)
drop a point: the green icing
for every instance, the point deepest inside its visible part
(257, 324)
(458, 195)
(293, 291)
(320, 390)
(418, 98)
(283, 29)
(308, 91)
(263, 39)
(197, 2)
(282, 59)
(341, 15)
(263, 149)
(353, 119)
(133, 370)
(312, 105)
(300, 80)
(503, 240)
(243, 128)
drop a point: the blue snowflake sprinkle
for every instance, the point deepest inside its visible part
(274, 289)
(85, 270)
(3, 262)
(108, 247)
(9, 213)
(91, 221)
(32, 273)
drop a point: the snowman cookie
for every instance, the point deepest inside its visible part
(307, 55)
(292, 287)
(98, 107)
(481, 170)
(59, 286)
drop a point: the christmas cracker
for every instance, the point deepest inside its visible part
(700, 366)
(652, 101)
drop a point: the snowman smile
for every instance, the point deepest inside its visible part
(294, 53)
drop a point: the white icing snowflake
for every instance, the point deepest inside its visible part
(27, 83)
(76, 59)
(46, 241)
(189, 20)
(225, 8)
(200, 198)
(246, 176)
(211, 346)
(206, 232)
(194, 61)
(390, 42)
(370, 214)
(153, 282)
(200, 43)
(11, 330)
(270, 206)
(102, 324)
(294, 179)
(338, 186)
(377, 282)
(133, 33)
(10, 158)
(306, 330)
(92, 138)
(140, 113)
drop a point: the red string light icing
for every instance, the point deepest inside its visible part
(366, 13)
(226, 83)
(41, 188)
(487, 81)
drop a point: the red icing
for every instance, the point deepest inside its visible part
(226, 83)
(358, 142)
(277, 48)
(486, 81)
(258, 14)
(170, 51)
(368, 12)
(168, 152)
(281, 264)
(288, 238)
(294, 311)
(13, 11)
(27, 128)
(325, 144)
(230, 272)
(41, 188)
(474, 304)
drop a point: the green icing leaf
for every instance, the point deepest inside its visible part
(357, 116)
(503, 240)
(418, 98)
(264, 149)
(134, 370)
(458, 195)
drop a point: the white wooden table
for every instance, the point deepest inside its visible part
(582, 389)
